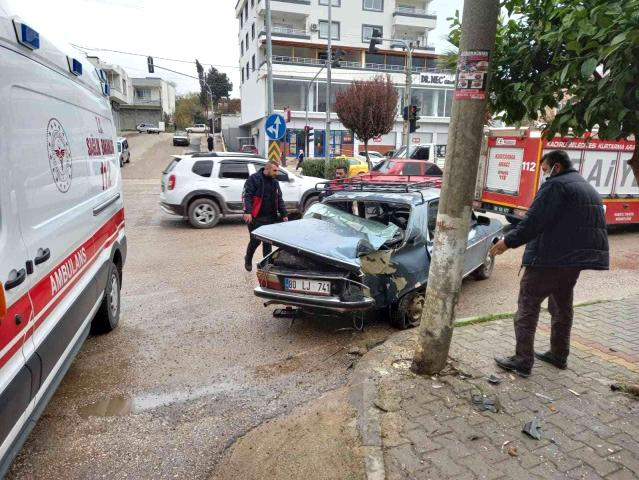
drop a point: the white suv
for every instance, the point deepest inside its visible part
(204, 187)
(197, 128)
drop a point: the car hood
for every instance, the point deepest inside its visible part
(335, 244)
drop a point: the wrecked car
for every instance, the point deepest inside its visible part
(365, 248)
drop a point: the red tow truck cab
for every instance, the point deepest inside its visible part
(510, 172)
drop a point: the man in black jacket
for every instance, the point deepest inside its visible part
(565, 233)
(262, 202)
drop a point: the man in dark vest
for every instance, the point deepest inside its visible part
(263, 204)
(564, 233)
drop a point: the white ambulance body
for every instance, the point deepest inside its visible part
(62, 242)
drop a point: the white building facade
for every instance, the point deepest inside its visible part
(299, 37)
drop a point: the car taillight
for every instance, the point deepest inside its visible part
(269, 280)
(171, 184)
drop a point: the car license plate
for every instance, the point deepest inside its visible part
(305, 285)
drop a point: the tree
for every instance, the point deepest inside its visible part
(229, 106)
(219, 84)
(188, 110)
(368, 108)
(573, 65)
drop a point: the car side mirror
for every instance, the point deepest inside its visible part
(482, 220)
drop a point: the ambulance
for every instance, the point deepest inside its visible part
(62, 241)
(510, 172)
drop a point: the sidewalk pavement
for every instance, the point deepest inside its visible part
(421, 427)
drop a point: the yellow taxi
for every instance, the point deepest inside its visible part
(356, 164)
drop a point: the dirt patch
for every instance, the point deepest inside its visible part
(318, 440)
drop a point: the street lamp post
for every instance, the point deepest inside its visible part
(308, 93)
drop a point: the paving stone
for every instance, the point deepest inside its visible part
(601, 465)
(583, 472)
(623, 474)
(480, 468)
(626, 459)
(443, 460)
(405, 457)
(421, 441)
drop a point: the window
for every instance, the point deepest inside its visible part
(253, 31)
(247, 71)
(246, 11)
(242, 47)
(247, 44)
(336, 3)
(234, 170)
(143, 93)
(375, 58)
(288, 93)
(432, 218)
(323, 30)
(203, 168)
(282, 176)
(252, 3)
(241, 21)
(367, 32)
(375, 5)
(242, 76)
(253, 63)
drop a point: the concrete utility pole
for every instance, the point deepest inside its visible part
(479, 24)
(407, 94)
(329, 60)
(269, 59)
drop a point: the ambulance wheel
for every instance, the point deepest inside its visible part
(485, 269)
(204, 213)
(108, 315)
(407, 313)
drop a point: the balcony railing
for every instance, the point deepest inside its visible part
(354, 65)
(415, 12)
(288, 30)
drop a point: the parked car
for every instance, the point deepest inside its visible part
(249, 149)
(197, 128)
(123, 151)
(372, 155)
(145, 127)
(181, 137)
(153, 129)
(375, 259)
(62, 241)
(398, 166)
(356, 164)
(389, 154)
(207, 186)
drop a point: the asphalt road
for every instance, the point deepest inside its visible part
(197, 361)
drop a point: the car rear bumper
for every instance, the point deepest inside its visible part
(332, 304)
(172, 208)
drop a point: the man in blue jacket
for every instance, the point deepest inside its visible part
(564, 233)
(263, 205)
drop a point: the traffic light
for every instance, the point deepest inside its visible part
(149, 61)
(412, 117)
(405, 115)
(309, 133)
(336, 58)
(376, 39)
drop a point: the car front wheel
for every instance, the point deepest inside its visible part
(204, 213)
(407, 313)
(310, 201)
(485, 269)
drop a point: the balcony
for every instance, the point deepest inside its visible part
(314, 62)
(288, 32)
(299, 7)
(414, 18)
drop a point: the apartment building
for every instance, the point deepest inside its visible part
(136, 100)
(299, 37)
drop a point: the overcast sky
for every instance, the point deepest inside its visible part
(184, 30)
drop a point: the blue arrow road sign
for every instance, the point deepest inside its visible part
(275, 126)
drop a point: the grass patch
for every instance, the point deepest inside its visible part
(502, 316)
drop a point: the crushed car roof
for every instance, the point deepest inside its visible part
(415, 197)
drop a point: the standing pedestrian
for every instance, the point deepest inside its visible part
(209, 142)
(263, 205)
(564, 233)
(334, 186)
(300, 158)
(318, 149)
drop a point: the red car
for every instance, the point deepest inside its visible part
(401, 166)
(249, 149)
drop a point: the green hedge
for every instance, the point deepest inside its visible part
(317, 167)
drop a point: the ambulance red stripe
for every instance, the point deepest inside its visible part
(44, 297)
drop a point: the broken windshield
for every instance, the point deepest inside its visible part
(373, 230)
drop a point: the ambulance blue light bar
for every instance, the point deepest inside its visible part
(27, 36)
(75, 66)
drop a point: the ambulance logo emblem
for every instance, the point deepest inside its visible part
(59, 155)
